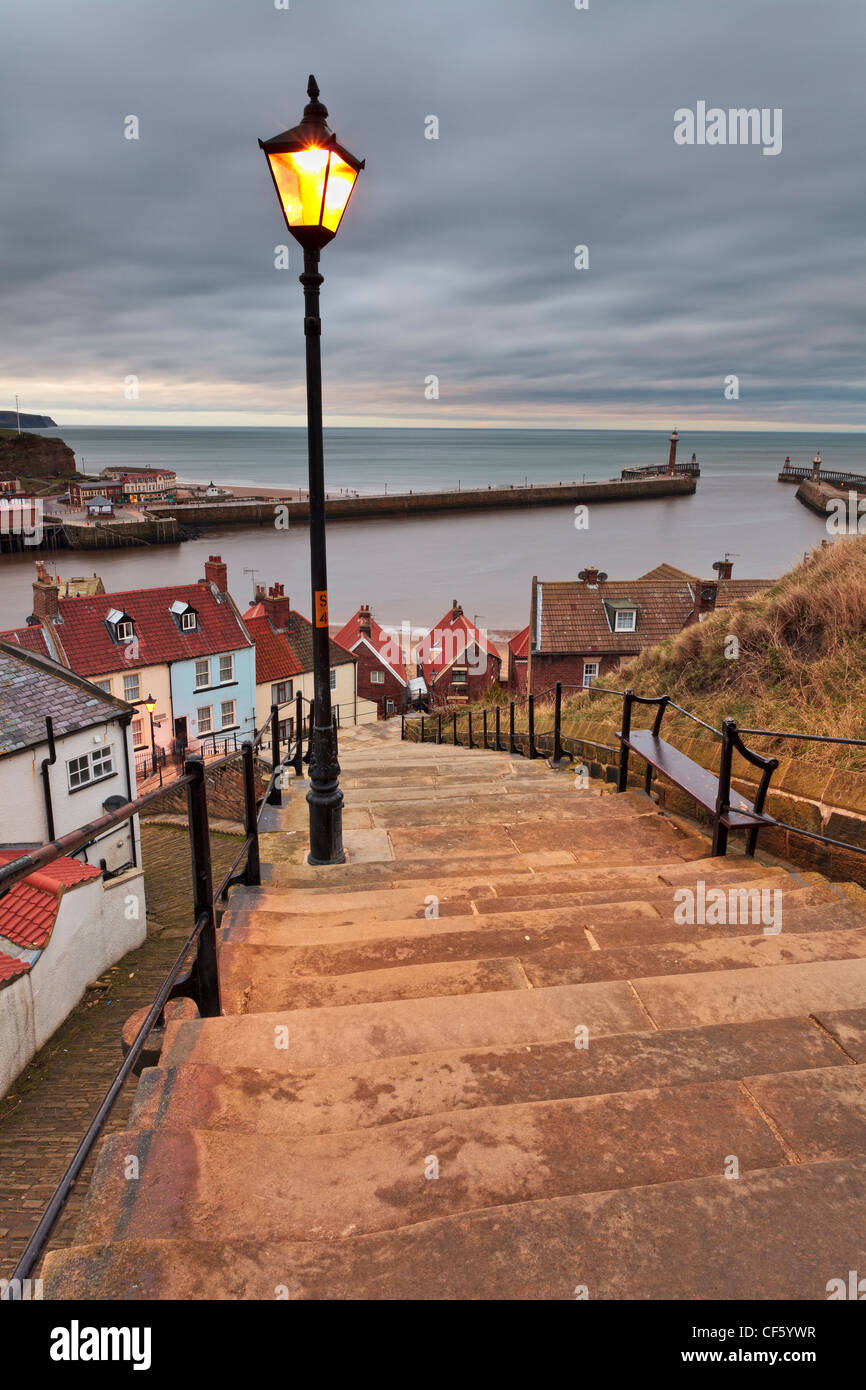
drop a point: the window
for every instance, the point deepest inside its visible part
(90, 767)
(125, 631)
(227, 668)
(389, 706)
(281, 692)
(460, 678)
(590, 671)
(227, 710)
(132, 687)
(103, 685)
(333, 679)
(187, 621)
(137, 732)
(204, 719)
(202, 673)
(625, 620)
(377, 677)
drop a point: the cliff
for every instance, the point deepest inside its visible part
(9, 420)
(32, 456)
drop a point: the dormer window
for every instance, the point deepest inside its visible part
(625, 620)
(184, 615)
(121, 625)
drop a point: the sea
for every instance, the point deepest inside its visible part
(410, 570)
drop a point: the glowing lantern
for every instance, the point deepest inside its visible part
(313, 175)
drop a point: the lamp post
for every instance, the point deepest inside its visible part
(314, 176)
(150, 705)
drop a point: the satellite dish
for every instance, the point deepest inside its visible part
(602, 577)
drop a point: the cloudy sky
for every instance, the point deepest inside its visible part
(155, 257)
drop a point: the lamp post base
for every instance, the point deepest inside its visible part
(325, 800)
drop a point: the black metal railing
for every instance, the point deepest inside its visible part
(563, 747)
(193, 974)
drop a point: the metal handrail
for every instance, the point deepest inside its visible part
(197, 983)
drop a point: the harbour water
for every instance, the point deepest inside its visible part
(412, 569)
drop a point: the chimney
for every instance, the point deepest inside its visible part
(46, 594)
(217, 573)
(672, 457)
(456, 610)
(706, 593)
(364, 625)
(724, 568)
(260, 593)
(277, 606)
(590, 576)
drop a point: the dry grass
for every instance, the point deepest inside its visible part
(798, 661)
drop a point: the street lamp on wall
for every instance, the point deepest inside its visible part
(314, 177)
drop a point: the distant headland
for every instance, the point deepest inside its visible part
(10, 420)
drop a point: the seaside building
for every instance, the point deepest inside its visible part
(141, 484)
(65, 759)
(284, 662)
(82, 491)
(580, 630)
(456, 660)
(381, 672)
(518, 658)
(184, 644)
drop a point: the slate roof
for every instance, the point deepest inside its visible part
(91, 650)
(32, 686)
(571, 617)
(286, 652)
(29, 910)
(384, 646)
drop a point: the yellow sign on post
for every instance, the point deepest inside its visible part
(321, 608)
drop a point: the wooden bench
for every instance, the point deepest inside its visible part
(730, 811)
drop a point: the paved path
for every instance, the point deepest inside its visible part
(487, 1058)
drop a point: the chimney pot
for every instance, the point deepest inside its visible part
(46, 594)
(276, 604)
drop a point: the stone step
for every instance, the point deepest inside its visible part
(295, 1040)
(358, 1095)
(257, 979)
(216, 1184)
(330, 1035)
(622, 923)
(778, 1234)
(390, 886)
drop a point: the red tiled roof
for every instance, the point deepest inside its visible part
(732, 589)
(286, 651)
(275, 660)
(519, 645)
(386, 647)
(31, 637)
(448, 640)
(10, 968)
(91, 651)
(29, 909)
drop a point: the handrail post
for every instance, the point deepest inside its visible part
(625, 734)
(439, 728)
(454, 727)
(469, 713)
(533, 751)
(484, 729)
(204, 982)
(310, 718)
(723, 800)
(498, 733)
(298, 761)
(422, 729)
(557, 758)
(275, 796)
(252, 873)
(402, 726)
(512, 746)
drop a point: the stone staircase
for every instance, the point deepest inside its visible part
(484, 1060)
